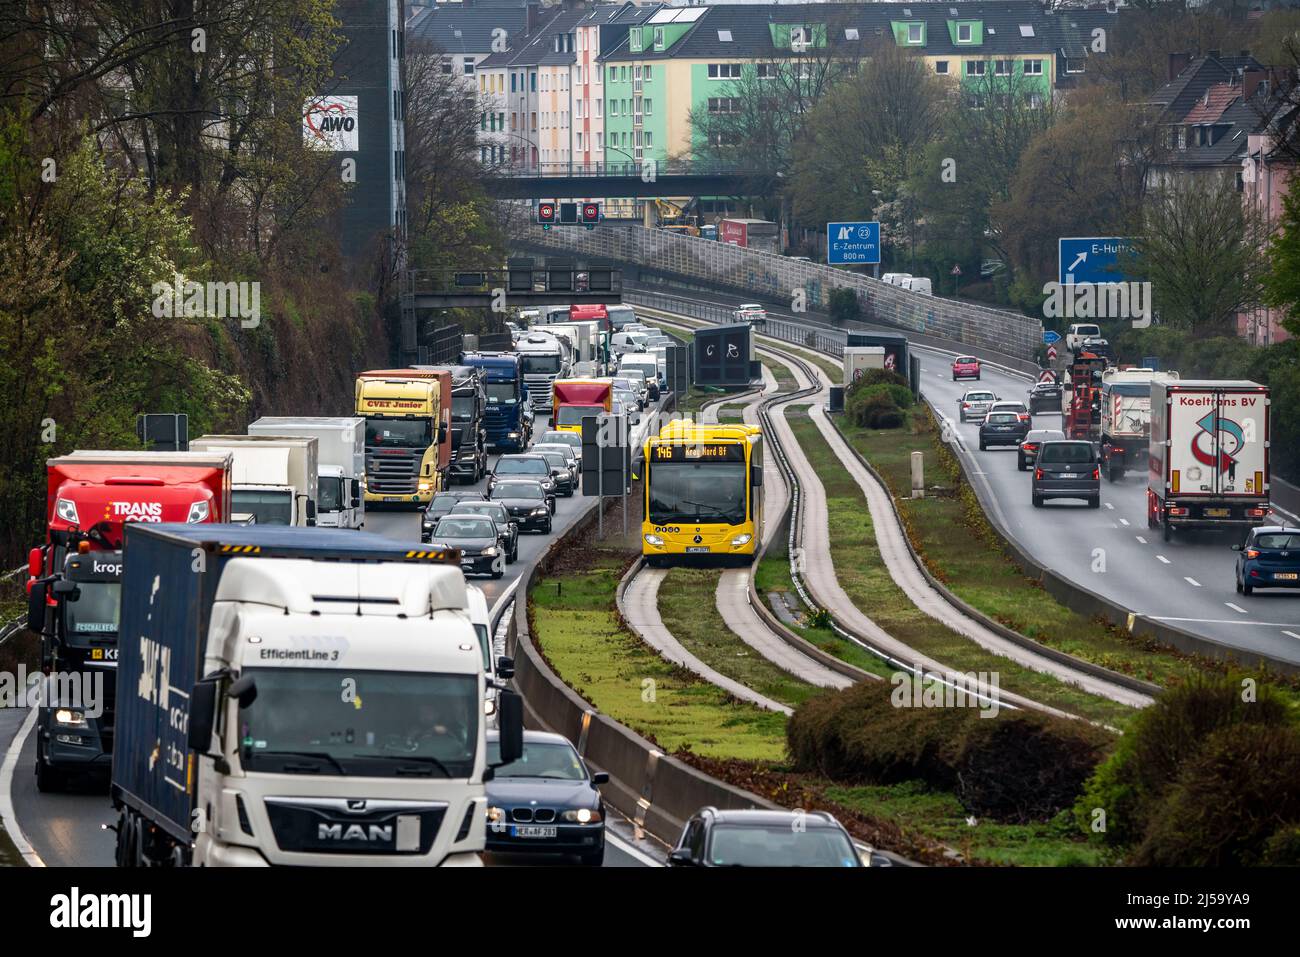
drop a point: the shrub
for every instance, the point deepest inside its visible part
(1228, 802)
(1132, 785)
(872, 377)
(877, 399)
(844, 306)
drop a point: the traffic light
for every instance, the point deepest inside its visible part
(568, 214)
(546, 214)
(590, 214)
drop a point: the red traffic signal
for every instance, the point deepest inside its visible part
(546, 212)
(590, 213)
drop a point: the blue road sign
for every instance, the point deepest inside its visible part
(852, 244)
(1050, 336)
(1091, 259)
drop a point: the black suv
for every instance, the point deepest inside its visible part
(1069, 469)
(757, 838)
(530, 507)
(1002, 428)
(1045, 397)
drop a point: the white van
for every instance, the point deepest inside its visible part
(1078, 332)
(478, 616)
(624, 342)
(919, 284)
(896, 278)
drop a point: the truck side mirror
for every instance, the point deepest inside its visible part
(311, 512)
(356, 494)
(203, 715)
(35, 562)
(757, 474)
(510, 725)
(243, 690)
(505, 667)
(442, 432)
(36, 607)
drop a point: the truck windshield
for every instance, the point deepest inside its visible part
(462, 408)
(399, 433)
(574, 414)
(1140, 389)
(540, 365)
(502, 393)
(94, 613)
(269, 508)
(698, 492)
(329, 493)
(392, 724)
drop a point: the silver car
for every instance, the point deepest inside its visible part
(975, 404)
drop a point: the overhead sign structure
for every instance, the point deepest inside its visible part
(1092, 259)
(329, 123)
(853, 244)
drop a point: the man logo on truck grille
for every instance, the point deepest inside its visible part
(355, 832)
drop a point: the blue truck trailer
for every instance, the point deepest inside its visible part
(228, 634)
(509, 417)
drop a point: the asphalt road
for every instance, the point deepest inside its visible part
(67, 829)
(1187, 582)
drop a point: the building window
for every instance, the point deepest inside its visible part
(724, 71)
(724, 104)
(941, 67)
(598, 107)
(578, 136)
(448, 67)
(963, 33)
(914, 32)
(659, 38)
(600, 142)
(724, 36)
(622, 75)
(800, 40)
(482, 122)
(850, 33)
(649, 106)
(974, 67)
(1001, 67)
(1075, 66)
(649, 138)
(613, 107)
(649, 73)
(613, 74)
(467, 66)
(765, 70)
(1033, 68)
(532, 82)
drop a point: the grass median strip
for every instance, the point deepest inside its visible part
(949, 530)
(576, 625)
(863, 576)
(687, 604)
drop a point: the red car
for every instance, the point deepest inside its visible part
(965, 367)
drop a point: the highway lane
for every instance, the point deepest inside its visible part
(67, 829)
(1187, 582)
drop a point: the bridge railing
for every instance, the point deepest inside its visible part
(631, 168)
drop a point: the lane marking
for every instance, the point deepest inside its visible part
(1112, 508)
(1140, 539)
(1291, 634)
(1236, 608)
(1163, 559)
(1123, 521)
(1192, 581)
(7, 813)
(640, 856)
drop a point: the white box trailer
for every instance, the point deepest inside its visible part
(340, 462)
(273, 477)
(1208, 454)
(858, 359)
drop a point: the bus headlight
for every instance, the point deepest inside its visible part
(654, 540)
(741, 540)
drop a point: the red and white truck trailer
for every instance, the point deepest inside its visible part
(1209, 454)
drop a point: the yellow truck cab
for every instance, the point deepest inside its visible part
(404, 429)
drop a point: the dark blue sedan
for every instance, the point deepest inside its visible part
(1270, 558)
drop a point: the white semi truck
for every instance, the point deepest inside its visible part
(543, 358)
(295, 697)
(340, 462)
(274, 477)
(1126, 419)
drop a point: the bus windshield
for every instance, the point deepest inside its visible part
(698, 492)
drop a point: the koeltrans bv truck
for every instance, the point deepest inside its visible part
(408, 434)
(1126, 419)
(508, 417)
(74, 582)
(340, 462)
(1208, 455)
(299, 697)
(275, 478)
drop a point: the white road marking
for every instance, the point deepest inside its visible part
(630, 850)
(7, 813)
(1192, 581)
(1291, 634)
(1110, 506)
(1123, 521)
(1163, 559)
(1236, 608)
(1140, 539)
(1224, 621)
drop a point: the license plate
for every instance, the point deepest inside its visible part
(1285, 576)
(394, 498)
(1068, 475)
(696, 549)
(528, 830)
(1218, 512)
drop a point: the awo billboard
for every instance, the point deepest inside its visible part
(330, 123)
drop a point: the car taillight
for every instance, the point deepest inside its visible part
(965, 405)
(1257, 512)
(1038, 474)
(1023, 416)
(1096, 473)
(1252, 553)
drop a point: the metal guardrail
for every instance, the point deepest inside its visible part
(629, 168)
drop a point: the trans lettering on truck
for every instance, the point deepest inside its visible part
(134, 511)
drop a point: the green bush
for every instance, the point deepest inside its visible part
(844, 306)
(1131, 787)
(877, 399)
(1228, 802)
(872, 377)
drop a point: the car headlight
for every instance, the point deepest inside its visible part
(512, 435)
(70, 719)
(741, 540)
(66, 509)
(541, 511)
(199, 512)
(495, 815)
(582, 816)
(490, 551)
(654, 540)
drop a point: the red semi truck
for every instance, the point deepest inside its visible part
(1209, 454)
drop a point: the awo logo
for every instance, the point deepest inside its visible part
(134, 511)
(330, 123)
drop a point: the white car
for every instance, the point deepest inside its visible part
(751, 312)
(1080, 331)
(896, 278)
(918, 284)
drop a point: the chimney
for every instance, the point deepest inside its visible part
(1177, 63)
(533, 16)
(1250, 81)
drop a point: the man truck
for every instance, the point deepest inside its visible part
(543, 359)
(408, 434)
(274, 475)
(340, 462)
(1208, 455)
(508, 417)
(294, 697)
(74, 580)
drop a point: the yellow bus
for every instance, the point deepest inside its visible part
(703, 493)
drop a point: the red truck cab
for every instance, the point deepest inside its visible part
(578, 398)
